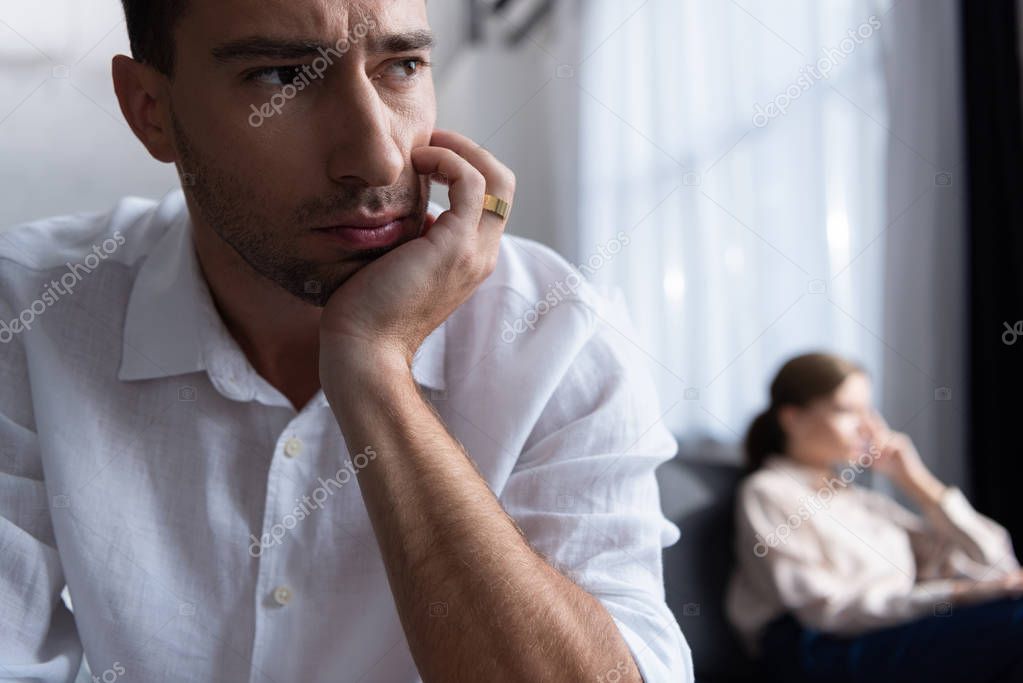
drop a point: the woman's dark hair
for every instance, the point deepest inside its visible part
(151, 26)
(800, 381)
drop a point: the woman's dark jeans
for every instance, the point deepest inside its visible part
(976, 644)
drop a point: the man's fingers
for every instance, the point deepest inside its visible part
(460, 234)
(500, 180)
(470, 172)
(466, 185)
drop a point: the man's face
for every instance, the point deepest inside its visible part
(267, 167)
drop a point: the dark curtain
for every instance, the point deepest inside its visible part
(991, 76)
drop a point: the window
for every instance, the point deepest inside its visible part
(741, 145)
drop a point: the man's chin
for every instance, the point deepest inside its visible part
(321, 281)
(316, 285)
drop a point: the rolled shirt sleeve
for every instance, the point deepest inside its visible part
(585, 495)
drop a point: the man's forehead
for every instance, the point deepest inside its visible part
(306, 19)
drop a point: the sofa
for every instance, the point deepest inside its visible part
(698, 496)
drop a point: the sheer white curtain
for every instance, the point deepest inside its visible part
(754, 233)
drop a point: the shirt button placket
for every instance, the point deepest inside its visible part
(282, 595)
(292, 447)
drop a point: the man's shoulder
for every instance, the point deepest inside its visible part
(537, 275)
(541, 305)
(123, 234)
(531, 319)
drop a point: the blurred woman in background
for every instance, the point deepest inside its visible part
(837, 582)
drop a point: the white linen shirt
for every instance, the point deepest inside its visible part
(189, 509)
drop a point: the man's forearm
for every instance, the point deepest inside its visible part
(475, 601)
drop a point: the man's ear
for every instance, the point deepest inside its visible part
(139, 90)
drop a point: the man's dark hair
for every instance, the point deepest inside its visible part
(151, 31)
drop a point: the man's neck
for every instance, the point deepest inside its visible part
(279, 333)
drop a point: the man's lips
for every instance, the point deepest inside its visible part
(365, 233)
(363, 222)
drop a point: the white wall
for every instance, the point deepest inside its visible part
(514, 103)
(64, 146)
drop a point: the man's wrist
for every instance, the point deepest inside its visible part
(351, 369)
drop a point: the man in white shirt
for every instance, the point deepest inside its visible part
(297, 423)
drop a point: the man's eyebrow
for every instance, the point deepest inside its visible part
(263, 47)
(409, 41)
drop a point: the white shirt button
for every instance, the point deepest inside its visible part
(292, 447)
(282, 595)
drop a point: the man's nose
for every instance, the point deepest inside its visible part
(363, 147)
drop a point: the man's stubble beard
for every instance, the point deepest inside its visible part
(237, 216)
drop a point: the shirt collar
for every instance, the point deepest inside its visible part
(809, 476)
(170, 311)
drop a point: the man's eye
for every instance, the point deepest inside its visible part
(275, 75)
(408, 68)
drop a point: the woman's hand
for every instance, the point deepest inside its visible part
(896, 457)
(966, 592)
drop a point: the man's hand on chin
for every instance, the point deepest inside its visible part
(381, 316)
